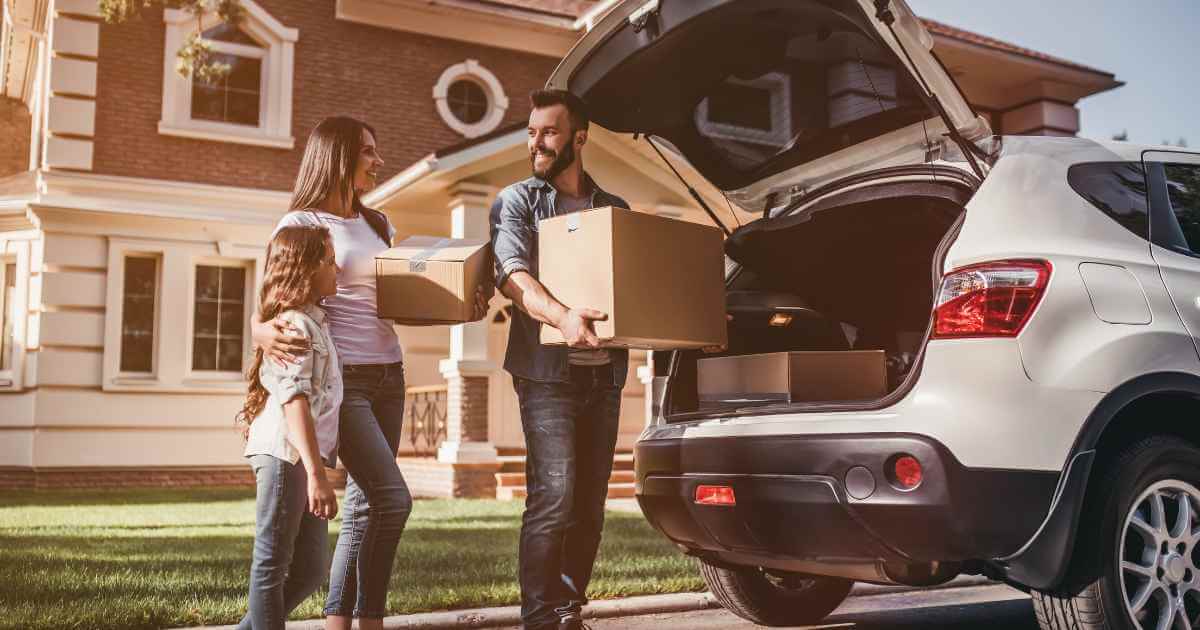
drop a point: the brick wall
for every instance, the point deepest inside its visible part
(110, 478)
(14, 137)
(383, 76)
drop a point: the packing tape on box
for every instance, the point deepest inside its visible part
(573, 222)
(417, 263)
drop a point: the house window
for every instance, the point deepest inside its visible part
(8, 313)
(467, 101)
(138, 314)
(754, 112)
(219, 318)
(470, 99)
(236, 97)
(253, 103)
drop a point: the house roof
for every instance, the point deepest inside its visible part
(578, 8)
(951, 32)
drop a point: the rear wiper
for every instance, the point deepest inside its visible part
(692, 191)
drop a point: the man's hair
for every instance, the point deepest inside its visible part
(576, 108)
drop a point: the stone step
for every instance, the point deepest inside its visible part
(615, 491)
(516, 463)
(517, 479)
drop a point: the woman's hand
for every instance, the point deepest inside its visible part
(322, 502)
(279, 340)
(483, 295)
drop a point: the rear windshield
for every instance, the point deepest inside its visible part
(786, 86)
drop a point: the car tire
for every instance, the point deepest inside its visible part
(1137, 559)
(773, 598)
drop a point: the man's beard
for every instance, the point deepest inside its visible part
(558, 163)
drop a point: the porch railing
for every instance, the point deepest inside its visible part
(426, 422)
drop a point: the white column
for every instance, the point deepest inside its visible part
(468, 367)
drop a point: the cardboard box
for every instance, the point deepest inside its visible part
(432, 280)
(661, 281)
(790, 377)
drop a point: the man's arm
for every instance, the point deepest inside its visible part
(513, 239)
(532, 297)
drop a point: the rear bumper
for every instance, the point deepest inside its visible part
(794, 512)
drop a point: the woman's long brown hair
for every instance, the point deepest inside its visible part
(293, 256)
(330, 156)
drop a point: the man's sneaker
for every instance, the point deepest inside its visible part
(573, 623)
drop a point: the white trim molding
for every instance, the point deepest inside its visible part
(278, 62)
(470, 70)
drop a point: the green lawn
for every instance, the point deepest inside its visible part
(161, 558)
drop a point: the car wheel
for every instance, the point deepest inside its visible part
(1137, 564)
(771, 598)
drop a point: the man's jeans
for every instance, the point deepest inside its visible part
(377, 502)
(289, 544)
(570, 435)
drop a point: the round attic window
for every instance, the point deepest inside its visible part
(470, 99)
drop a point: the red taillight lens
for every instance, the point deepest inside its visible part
(907, 471)
(989, 300)
(715, 495)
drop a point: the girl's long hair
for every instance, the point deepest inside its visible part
(330, 156)
(293, 256)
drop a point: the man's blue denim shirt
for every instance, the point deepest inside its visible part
(514, 231)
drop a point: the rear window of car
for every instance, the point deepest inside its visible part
(1118, 189)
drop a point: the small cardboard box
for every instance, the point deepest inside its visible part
(788, 377)
(661, 281)
(432, 280)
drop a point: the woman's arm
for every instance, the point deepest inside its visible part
(278, 338)
(303, 436)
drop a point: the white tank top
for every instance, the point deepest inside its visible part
(358, 334)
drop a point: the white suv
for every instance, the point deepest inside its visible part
(1038, 301)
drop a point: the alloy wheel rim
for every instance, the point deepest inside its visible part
(1160, 557)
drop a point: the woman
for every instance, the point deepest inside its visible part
(341, 161)
(290, 422)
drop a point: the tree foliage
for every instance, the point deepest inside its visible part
(195, 56)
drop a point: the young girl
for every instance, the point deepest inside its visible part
(290, 422)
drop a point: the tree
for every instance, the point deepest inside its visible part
(195, 56)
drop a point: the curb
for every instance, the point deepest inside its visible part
(624, 607)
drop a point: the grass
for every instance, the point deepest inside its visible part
(164, 558)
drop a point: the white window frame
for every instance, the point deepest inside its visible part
(174, 311)
(248, 302)
(780, 87)
(470, 70)
(13, 378)
(275, 91)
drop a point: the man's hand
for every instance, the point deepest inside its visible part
(322, 502)
(578, 329)
(279, 340)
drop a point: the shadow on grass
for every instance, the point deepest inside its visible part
(155, 580)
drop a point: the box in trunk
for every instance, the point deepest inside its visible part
(432, 280)
(661, 281)
(789, 377)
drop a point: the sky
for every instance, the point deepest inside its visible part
(1151, 45)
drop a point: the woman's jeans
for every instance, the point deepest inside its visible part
(289, 544)
(377, 501)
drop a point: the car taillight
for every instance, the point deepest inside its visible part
(992, 299)
(715, 495)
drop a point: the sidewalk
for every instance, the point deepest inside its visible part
(645, 605)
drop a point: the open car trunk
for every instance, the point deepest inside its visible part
(857, 274)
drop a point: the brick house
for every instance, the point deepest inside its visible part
(135, 205)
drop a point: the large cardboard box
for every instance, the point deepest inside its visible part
(661, 281)
(432, 280)
(789, 377)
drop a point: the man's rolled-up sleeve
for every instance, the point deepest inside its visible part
(512, 236)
